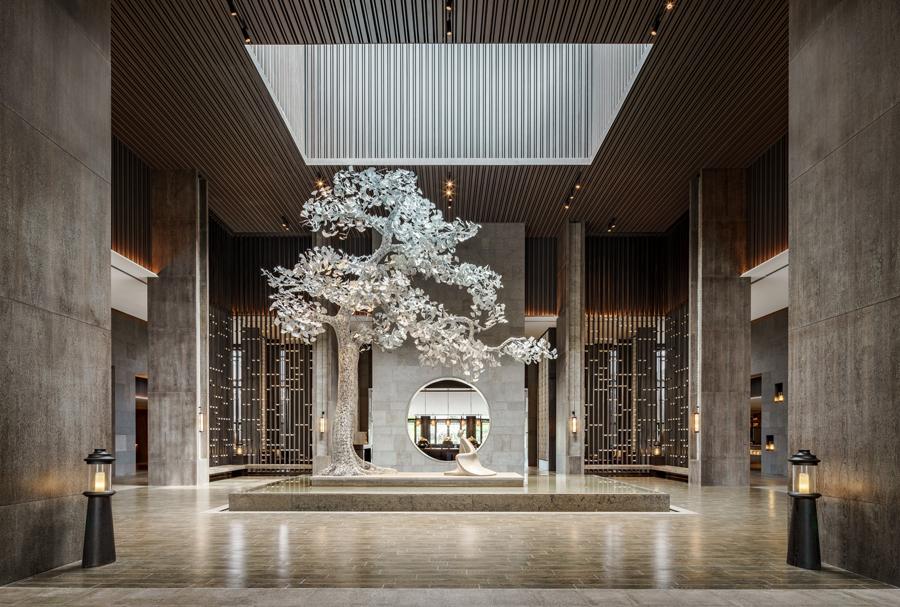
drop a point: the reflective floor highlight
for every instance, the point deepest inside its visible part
(174, 538)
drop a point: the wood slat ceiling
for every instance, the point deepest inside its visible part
(713, 93)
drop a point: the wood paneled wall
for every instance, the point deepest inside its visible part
(540, 277)
(767, 205)
(130, 201)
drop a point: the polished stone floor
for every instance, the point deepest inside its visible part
(178, 538)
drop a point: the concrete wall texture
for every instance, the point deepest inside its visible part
(844, 336)
(720, 330)
(769, 360)
(396, 375)
(54, 287)
(570, 349)
(178, 331)
(129, 359)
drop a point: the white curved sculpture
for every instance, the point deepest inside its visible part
(467, 463)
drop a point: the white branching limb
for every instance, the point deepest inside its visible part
(416, 244)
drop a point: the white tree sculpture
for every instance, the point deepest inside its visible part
(328, 287)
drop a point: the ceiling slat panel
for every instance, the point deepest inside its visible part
(713, 92)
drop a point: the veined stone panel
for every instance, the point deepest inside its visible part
(396, 104)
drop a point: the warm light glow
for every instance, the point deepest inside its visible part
(322, 423)
(779, 397)
(100, 481)
(577, 186)
(696, 421)
(239, 450)
(573, 423)
(449, 184)
(657, 450)
(803, 483)
(670, 5)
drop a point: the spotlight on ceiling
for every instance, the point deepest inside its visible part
(654, 29)
(449, 27)
(670, 5)
(320, 183)
(448, 5)
(232, 9)
(612, 225)
(285, 224)
(246, 34)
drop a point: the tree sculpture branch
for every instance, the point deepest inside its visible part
(417, 244)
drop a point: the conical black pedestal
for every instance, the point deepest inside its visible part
(803, 536)
(99, 540)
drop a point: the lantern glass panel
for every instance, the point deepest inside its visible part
(803, 479)
(99, 477)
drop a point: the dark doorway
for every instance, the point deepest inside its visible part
(141, 433)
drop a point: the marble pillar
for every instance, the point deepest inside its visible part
(719, 454)
(570, 346)
(178, 331)
(844, 326)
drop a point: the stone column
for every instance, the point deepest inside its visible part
(570, 345)
(844, 325)
(55, 282)
(178, 328)
(720, 331)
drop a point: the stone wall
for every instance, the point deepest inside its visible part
(54, 283)
(844, 149)
(769, 360)
(397, 375)
(129, 359)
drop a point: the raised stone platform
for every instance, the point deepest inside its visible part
(420, 479)
(542, 493)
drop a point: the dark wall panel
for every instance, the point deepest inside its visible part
(767, 205)
(130, 205)
(540, 277)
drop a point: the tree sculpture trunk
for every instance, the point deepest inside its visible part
(344, 461)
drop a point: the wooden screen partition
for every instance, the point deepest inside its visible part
(260, 403)
(130, 202)
(636, 349)
(767, 205)
(540, 277)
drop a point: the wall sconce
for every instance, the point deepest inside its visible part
(99, 541)
(239, 450)
(657, 449)
(770, 442)
(322, 423)
(573, 423)
(803, 537)
(779, 394)
(696, 421)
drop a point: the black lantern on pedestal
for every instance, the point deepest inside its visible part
(803, 537)
(99, 542)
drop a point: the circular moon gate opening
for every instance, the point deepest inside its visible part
(437, 413)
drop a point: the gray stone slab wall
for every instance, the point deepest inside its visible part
(720, 330)
(397, 375)
(54, 283)
(129, 360)
(769, 360)
(178, 330)
(844, 335)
